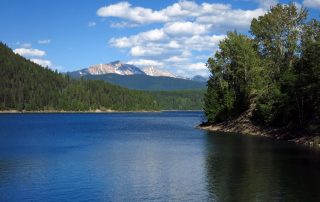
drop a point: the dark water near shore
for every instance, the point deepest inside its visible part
(146, 157)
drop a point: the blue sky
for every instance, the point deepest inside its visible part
(177, 36)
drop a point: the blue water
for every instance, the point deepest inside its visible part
(146, 157)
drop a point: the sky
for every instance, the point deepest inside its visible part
(173, 35)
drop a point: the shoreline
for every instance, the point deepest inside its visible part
(244, 126)
(89, 111)
(70, 112)
(274, 133)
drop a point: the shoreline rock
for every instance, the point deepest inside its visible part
(243, 125)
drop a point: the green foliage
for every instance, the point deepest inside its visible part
(179, 100)
(149, 83)
(25, 85)
(234, 68)
(277, 72)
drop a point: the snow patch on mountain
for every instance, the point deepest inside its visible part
(114, 67)
(152, 71)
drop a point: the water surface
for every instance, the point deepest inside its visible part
(146, 156)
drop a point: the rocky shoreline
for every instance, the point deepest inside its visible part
(243, 125)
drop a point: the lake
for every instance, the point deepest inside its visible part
(147, 157)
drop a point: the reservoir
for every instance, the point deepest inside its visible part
(147, 157)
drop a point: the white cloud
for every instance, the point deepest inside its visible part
(312, 3)
(215, 14)
(153, 35)
(189, 69)
(123, 24)
(140, 51)
(41, 62)
(122, 42)
(185, 30)
(174, 44)
(44, 41)
(141, 38)
(197, 66)
(201, 43)
(176, 59)
(266, 4)
(136, 14)
(92, 24)
(233, 19)
(30, 52)
(142, 62)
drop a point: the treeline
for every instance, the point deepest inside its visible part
(275, 73)
(179, 100)
(25, 85)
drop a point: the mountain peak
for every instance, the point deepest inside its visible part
(152, 71)
(115, 67)
(118, 67)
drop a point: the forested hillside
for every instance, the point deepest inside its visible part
(179, 100)
(150, 83)
(276, 73)
(25, 85)
(28, 86)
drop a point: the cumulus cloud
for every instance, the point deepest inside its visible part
(42, 62)
(136, 14)
(312, 3)
(201, 43)
(185, 30)
(30, 52)
(123, 24)
(198, 66)
(210, 13)
(153, 35)
(144, 51)
(143, 63)
(190, 69)
(44, 41)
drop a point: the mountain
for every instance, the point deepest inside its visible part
(120, 68)
(199, 78)
(152, 71)
(115, 67)
(132, 77)
(25, 85)
(150, 83)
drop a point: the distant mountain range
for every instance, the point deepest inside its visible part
(132, 77)
(120, 68)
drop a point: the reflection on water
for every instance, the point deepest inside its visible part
(257, 169)
(146, 157)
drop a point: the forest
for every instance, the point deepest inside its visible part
(26, 86)
(274, 71)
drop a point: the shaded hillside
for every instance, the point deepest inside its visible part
(151, 83)
(25, 85)
(179, 100)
